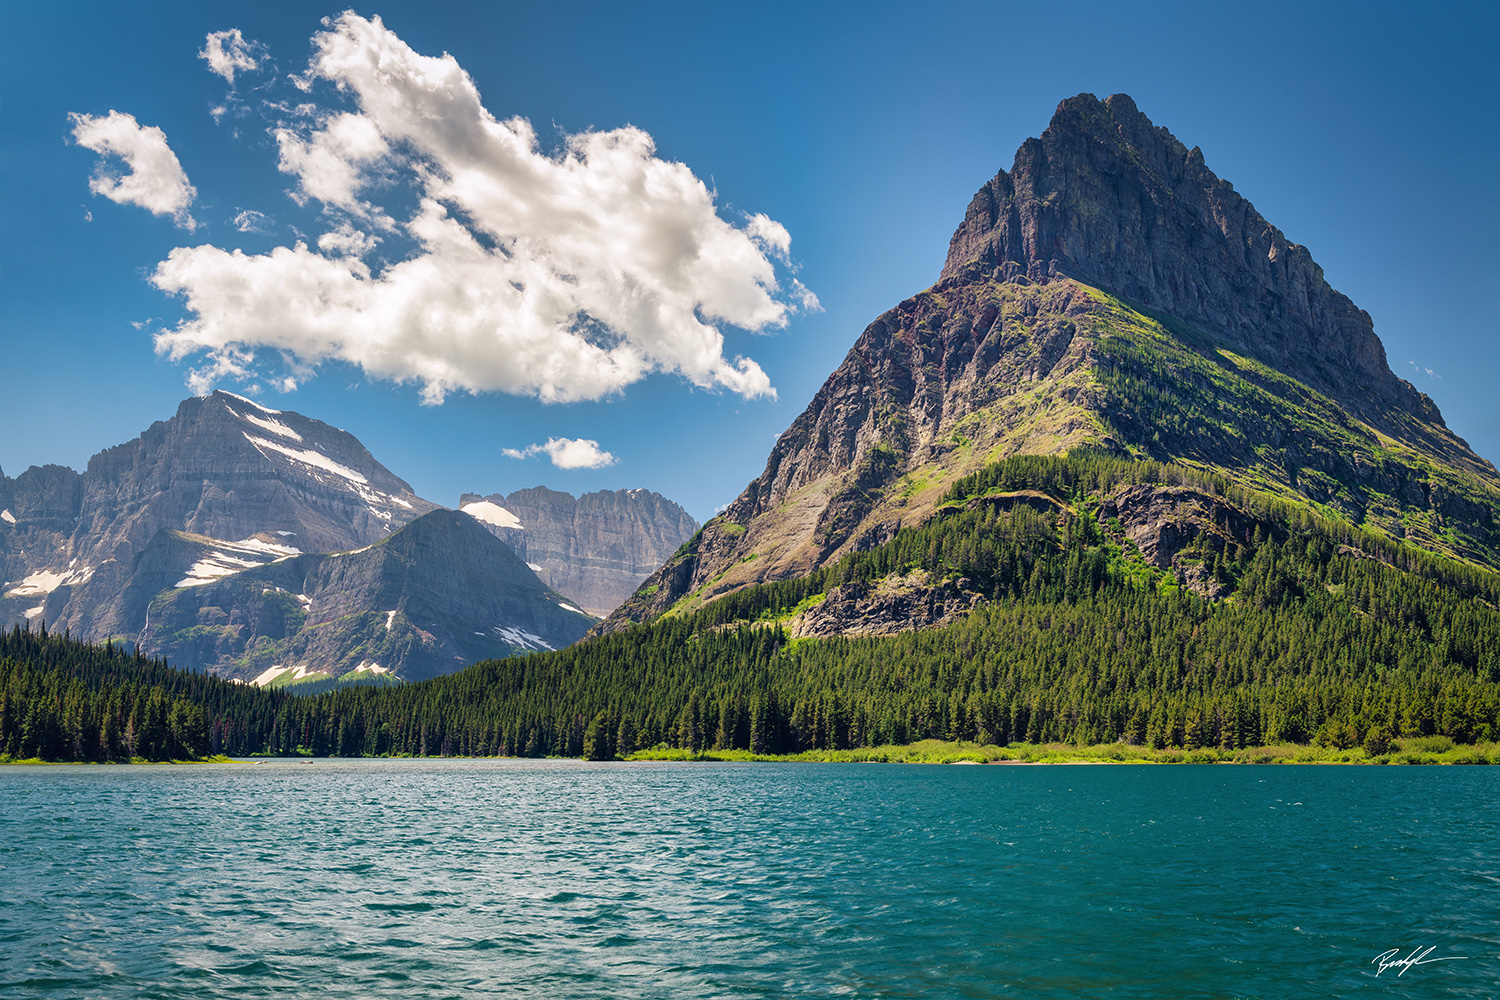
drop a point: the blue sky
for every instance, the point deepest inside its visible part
(859, 132)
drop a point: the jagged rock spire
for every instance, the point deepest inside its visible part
(1108, 198)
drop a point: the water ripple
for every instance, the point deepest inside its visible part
(561, 879)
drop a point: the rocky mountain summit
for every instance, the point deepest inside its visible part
(224, 467)
(164, 540)
(1108, 292)
(1108, 199)
(596, 548)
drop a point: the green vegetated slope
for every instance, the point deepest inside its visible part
(1059, 367)
(1174, 393)
(1329, 634)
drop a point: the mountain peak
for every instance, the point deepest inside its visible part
(1110, 199)
(227, 397)
(1108, 292)
(1084, 111)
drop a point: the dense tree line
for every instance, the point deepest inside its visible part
(1331, 635)
(65, 700)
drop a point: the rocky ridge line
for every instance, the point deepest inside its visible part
(596, 548)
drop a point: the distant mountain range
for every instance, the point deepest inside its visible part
(597, 548)
(266, 545)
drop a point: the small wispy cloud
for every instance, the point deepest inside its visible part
(228, 52)
(1426, 371)
(250, 221)
(346, 241)
(566, 453)
(153, 177)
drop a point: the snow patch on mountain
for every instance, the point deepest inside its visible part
(46, 581)
(316, 459)
(242, 399)
(491, 513)
(269, 548)
(215, 567)
(233, 557)
(520, 637)
(274, 426)
(278, 672)
(369, 667)
(373, 500)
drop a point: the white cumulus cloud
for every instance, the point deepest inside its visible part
(153, 178)
(331, 164)
(566, 453)
(228, 52)
(566, 275)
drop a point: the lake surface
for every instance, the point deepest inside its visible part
(432, 879)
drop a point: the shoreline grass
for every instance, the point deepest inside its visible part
(1414, 750)
(1410, 750)
(6, 759)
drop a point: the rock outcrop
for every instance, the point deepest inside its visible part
(1108, 292)
(597, 548)
(898, 604)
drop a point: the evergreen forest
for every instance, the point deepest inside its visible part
(1320, 633)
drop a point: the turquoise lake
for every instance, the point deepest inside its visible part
(458, 878)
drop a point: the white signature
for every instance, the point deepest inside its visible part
(1392, 960)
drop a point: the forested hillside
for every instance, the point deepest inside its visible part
(1320, 633)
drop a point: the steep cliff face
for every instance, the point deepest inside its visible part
(1109, 291)
(597, 548)
(38, 513)
(435, 596)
